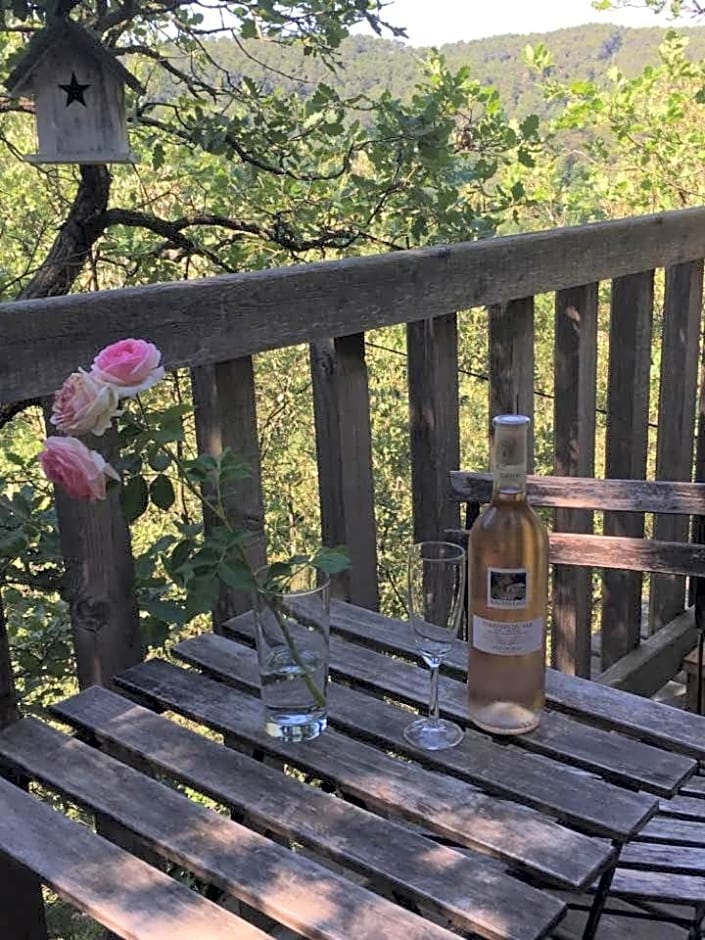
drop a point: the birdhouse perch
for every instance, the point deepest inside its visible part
(78, 88)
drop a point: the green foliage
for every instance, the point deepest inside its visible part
(630, 146)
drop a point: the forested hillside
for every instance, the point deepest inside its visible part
(370, 66)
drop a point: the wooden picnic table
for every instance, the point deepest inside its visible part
(364, 836)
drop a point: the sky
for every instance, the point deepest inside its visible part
(435, 22)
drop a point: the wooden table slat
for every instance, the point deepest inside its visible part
(141, 903)
(620, 759)
(412, 865)
(655, 856)
(651, 721)
(677, 831)
(695, 786)
(264, 874)
(441, 804)
(501, 768)
(688, 807)
(668, 888)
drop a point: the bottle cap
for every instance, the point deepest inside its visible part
(511, 420)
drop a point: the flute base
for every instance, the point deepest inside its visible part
(430, 735)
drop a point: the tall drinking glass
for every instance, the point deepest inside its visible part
(435, 597)
(293, 633)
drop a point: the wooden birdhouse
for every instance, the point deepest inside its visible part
(78, 88)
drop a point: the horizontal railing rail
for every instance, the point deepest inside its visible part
(213, 319)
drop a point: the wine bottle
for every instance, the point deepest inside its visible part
(507, 595)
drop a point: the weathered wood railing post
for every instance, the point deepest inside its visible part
(626, 448)
(574, 436)
(341, 403)
(511, 362)
(432, 348)
(676, 418)
(100, 577)
(21, 904)
(226, 417)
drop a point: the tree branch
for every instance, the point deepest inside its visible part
(76, 237)
(280, 232)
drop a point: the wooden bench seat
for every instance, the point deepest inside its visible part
(123, 893)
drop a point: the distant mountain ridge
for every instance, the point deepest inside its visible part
(371, 65)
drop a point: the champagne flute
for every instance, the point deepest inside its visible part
(436, 601)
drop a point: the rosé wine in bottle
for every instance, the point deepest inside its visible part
(507, 595)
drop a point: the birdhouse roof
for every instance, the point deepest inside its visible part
(63, 31)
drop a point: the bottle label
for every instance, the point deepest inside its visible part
(510, 476)
(507, 588)
(507, 639)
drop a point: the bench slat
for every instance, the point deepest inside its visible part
(349, 835)
(670, 728)
(455, 812)
(264, 874)
(631, 554)
(615, 552)
(135, 901)
(662, 496)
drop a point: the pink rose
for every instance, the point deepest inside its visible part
(83, 405)
(81, 472)
(131, 365)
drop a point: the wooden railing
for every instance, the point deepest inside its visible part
(215, 325)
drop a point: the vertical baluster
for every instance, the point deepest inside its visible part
(226, 417)
(676, 419)
(511, 345)
(344, 452)
(574, 435)
(432, 349)
(100, 575)
(627, 438)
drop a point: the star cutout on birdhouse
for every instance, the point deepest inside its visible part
(74, 91)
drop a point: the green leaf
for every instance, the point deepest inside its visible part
(236, 577)
(168, 611)
(331, 560)
(248, 29)
(158, 156)
(233, 467)
(202, 593)
(181, 553)
(161, 492)
(159, 461)
(529, 125)
(156, 631)
(134, 497)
